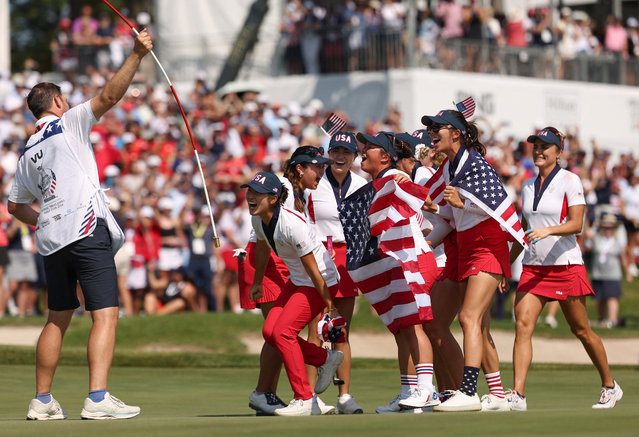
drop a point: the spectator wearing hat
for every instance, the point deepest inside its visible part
(321, 206)
(609, 261)
(553, 208)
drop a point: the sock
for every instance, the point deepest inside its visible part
(425, 377)
(408, 381)
(494, 385)
(45, 398)
(97, 395)
(469, 381)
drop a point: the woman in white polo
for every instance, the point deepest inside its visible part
(310, 288)
(553, 212)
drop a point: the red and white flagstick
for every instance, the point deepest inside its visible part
(216, 240)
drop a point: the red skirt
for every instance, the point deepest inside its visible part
(483, 248)
(274, 279)
(555, 282)
(346, 286)
(450, 249)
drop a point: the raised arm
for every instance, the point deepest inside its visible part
(117, 86)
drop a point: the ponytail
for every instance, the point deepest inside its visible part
(470, 139)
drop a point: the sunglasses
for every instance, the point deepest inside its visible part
(438, 127)
(556, 132)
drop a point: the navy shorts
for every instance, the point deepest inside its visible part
(89, 261)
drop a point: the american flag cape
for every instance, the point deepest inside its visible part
(384, 250)
(334, 123)
(478, 182)
(437, 183)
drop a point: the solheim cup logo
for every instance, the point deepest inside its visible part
(47, 183)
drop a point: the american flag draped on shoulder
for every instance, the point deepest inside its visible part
(437, 183)
(383, 250)
(478, 182)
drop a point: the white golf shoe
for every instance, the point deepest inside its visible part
(40, 411)
(490, 402)
(609, 397)
(460, 402)
(517, 402)
(109, 408)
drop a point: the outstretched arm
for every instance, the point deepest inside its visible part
(117, 86)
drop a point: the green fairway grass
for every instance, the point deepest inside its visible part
(190, 402)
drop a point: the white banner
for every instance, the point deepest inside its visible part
(606, 114)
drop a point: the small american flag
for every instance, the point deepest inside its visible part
(334, 123)
(466, 107)
(383, 252)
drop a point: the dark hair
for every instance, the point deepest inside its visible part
(404, 150)
(41, 96)
(291, 174)
(470, 139)
(283, 195)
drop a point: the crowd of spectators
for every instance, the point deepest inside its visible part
(144, 157)
(327, 36)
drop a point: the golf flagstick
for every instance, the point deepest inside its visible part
(216, 240)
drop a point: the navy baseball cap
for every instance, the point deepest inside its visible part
(548, 135)
(309, 154)
(380, 139)
(343, 139)
(265, 182)
(418, 137)
(445, 118)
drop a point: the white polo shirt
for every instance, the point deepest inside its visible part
(561, 190)
(292, 238)
(288, 203)
(321, 204)
(58, 169)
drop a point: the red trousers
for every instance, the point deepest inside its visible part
(293, 310)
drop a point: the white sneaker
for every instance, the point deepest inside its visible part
(347, 405)
(297, 407)
(326, 372)
(517, 402)
(490, 402)
(609, 397)
(266, 403)
(109, 408)
(460, 402)
(40, 411)
(551, 321)
(325, 409)
(393, 407)
(419, 399)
